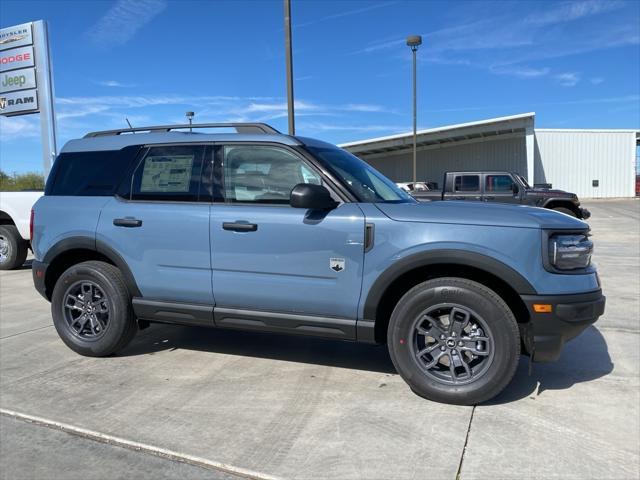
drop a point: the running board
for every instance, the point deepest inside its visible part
(210, 316)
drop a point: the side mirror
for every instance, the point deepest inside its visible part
(514, 188)
(311, 197)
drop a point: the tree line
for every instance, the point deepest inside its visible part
(21, 181)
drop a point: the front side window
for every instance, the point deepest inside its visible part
(467, 183)
(498, 184)
(365, 182)
(263, 174)
(169, 173)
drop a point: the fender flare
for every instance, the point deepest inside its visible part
(90, 243)
(446, 256)
(572, 206)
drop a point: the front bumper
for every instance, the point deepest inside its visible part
(584, 213)
(546, 333)
(39, 273)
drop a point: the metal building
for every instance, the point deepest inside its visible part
(590, 163)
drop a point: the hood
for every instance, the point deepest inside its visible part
(478, 213)
(551, 192)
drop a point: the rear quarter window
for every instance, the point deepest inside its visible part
(90, 174)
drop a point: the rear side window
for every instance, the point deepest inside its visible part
(169, 173)
(91, 174)
(467, 183)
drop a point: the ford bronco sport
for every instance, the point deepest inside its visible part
(257, 230)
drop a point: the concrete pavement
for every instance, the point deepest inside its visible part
(296, 407)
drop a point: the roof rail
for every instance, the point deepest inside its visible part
(259, 128)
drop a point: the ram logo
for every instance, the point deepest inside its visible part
(3, 103)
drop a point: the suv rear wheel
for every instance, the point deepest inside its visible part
(91, 309)
(454, 340)
(13, 249)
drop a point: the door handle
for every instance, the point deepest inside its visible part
(127, 222)
(460, 198)
(240, 226)
(489, 197)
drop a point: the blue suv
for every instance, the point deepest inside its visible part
(257, 230)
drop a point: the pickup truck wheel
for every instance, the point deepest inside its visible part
(13, 249)
(91, 309)
(454, 340)
(565, 210)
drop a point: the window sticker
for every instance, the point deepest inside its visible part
(167, 173)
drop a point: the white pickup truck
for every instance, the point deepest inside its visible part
(15, 216)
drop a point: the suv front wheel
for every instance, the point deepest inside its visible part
(91, 309)
(454, 340)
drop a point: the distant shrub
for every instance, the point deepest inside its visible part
(21, 181)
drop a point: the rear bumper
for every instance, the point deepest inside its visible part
(39, 273)
(584, 213)
(547, 333)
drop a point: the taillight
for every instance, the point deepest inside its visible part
(31, 226)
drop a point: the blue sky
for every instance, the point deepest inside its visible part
(576, 64)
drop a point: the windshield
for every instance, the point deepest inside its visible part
(524, 182)
(366, 183)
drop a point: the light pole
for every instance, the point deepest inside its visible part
(413, 41)
(289, 65)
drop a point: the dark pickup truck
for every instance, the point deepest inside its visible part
(502, 187)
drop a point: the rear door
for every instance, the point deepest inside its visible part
(160, 224)
(466, 186)
(499, 187)
(270, 257)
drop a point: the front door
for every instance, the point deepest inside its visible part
(499, 188)
(270, 257)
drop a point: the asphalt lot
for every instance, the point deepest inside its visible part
(237, 405)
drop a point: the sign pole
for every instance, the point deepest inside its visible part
(44, 76)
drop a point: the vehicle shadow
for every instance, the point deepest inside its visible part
(584, 359)
(26, 265)
(291, 348)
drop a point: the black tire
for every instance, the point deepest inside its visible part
(497, 357)
(568, 211)
(14, 248)
(108, 290)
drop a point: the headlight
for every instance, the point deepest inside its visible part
(569, 252)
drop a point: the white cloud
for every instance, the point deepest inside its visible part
(522, 72)
(516, 42)
(596, 80)
(123, 20)
(115, 83)
(568, 79)
(347, 13)
(569, 11)
(15, 128)
(328, 127)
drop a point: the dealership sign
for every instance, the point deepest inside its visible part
(17, 80)
(26, 81)
(17, 71)
(17, 36)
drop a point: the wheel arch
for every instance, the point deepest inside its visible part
(394, 282)
(74, 250)
(561, 202)
(5, 218)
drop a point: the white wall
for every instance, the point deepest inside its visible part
(508, 154)
(572, 159)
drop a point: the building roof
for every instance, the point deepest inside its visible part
(489, 128)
